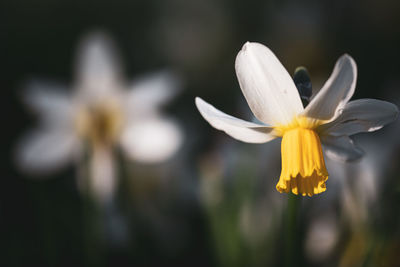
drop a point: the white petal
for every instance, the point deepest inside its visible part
(336, 92)
(152, 140)
(239, 129)
(98, 69)
(46, 150)
(266, 85)
(50, 100)
(341, 148)
(149, 93)
(363, 115)
(102, 175)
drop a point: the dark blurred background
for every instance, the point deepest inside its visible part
(42, 221)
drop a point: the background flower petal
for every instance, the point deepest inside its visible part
(266, 85)
(152, 140)
(363, 115)
(336, 92)
(98, 69)
(51, 101)
(46, 150)
(148, 93)
(103, 181)
(239, 129)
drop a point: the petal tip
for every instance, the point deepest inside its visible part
(246, 46)
(199, 102)
(347, 58)
(251, 46)
(395, 111)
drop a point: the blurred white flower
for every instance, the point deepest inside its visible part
(102, 112)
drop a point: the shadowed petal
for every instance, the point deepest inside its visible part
(363, 115)
(341, 148)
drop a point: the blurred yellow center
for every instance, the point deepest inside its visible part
(303, 166)
(100, 124)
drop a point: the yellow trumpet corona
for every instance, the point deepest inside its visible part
(303, 165)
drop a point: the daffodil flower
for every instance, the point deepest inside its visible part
(103, 112)
(329, 117)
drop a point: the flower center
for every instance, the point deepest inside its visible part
(99, 123)
(303, 166)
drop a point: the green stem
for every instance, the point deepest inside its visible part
(92, 218)
(91, 233)
(291, 241)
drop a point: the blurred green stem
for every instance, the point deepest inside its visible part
(92, 217)
(92, 236)
(291, 240)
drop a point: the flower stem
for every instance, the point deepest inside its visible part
(291, 241)
(93, 236)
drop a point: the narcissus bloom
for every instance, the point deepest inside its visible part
(328, 118)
